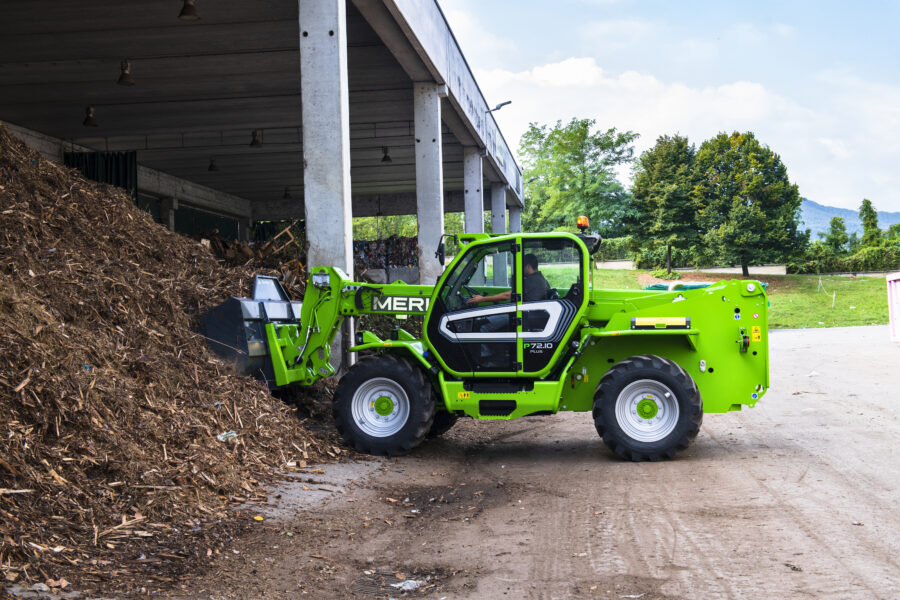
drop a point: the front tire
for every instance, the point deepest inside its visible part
(383, 406)
(647, 408)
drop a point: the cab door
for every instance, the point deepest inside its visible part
(553, 295)
(477, 339)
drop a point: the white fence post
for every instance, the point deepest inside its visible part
(893, 290)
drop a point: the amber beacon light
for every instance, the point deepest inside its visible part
(582, 223)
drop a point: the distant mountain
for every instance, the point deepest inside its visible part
(817, 217)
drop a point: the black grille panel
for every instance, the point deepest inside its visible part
(496, 408)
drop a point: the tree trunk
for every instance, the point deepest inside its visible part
(745, 268)
(669, 258)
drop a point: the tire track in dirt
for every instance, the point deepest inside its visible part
(795, 512)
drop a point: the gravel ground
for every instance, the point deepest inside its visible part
(794, 499)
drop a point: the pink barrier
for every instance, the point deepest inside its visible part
(893, 290)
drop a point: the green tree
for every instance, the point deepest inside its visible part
(663, 182)
(893, 233)
(569, 172)
(381, 227)
(748, 209)
(869, 218)
(837, 238)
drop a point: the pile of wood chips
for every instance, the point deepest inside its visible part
(112, 470)
(283, 253)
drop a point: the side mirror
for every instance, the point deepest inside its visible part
(440, 252)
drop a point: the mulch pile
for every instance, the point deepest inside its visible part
(283, 253)
(111, 472)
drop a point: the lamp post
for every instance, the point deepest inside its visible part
(499, 106)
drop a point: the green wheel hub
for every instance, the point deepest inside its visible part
(384, 406)
(647, 408)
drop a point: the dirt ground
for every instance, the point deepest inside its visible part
(794, 499)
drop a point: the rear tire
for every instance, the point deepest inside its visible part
(383, 406)
(443, 422)
(647, 408)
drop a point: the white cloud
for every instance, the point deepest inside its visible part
(827, 146)
(837, 148)
(748, 33)
(617, 34)
(473, 37)
(784, 30)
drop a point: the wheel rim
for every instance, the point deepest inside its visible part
(647, 410)
(380, 407)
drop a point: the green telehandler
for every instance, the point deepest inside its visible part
(512, 328)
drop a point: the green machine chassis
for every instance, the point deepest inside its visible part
(710, 342)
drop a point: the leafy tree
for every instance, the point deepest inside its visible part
(748, 209)
(836, 238)
(869, 218)
(663, 182)
(381, 227)
(569, 172)
(893, 233)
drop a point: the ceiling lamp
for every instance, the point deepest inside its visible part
(125, 77)
(287, 194)
(89, 120)
(189, 11)
(212, 165)
(387, 157)
(257, 139)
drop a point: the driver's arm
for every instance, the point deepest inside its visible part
(501, 297)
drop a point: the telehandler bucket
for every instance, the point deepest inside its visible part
(235, 330)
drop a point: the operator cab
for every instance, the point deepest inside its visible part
(528, 290)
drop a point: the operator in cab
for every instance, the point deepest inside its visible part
(534, 285)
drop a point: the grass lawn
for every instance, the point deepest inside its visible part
(796, 301)
(616, 279)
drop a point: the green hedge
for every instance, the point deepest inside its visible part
(620, 248)
(654, 257)
(822, 259)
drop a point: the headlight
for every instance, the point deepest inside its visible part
(321, 280)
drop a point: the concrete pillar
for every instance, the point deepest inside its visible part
(167, 208)
(244, 226)
(473, 196)
(498, 225)
(429, 177)
(325, 110)
(515, 219)
(498, 208)
(325, 113)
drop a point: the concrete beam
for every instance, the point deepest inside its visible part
(164, 185)
(472, 182)
(150, 181)
(364, 205)
(429, 178)
(427, 30)
(393, 37)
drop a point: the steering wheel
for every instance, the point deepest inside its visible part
(463, 300)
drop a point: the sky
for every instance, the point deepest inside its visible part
(817, 82)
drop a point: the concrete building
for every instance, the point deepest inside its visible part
(253, 111)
